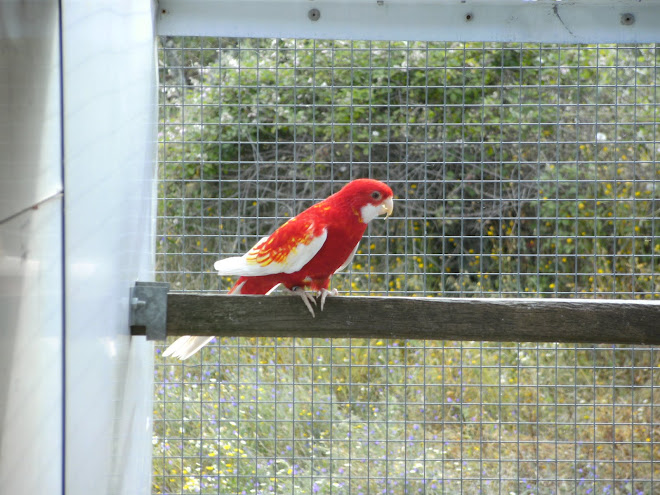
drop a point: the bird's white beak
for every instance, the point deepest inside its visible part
(388, 206)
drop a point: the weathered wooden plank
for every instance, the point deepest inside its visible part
(504, 320)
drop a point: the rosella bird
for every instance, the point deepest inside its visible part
(303, 253)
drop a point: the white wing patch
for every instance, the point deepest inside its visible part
(246, 265)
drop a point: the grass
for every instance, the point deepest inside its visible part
(339, 416)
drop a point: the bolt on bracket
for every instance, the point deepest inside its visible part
(148, 309)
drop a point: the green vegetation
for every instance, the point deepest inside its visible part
(520, 170)
(277, 416)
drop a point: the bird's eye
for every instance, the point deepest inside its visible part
(376, 195)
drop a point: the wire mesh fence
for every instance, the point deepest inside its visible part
(519, 170)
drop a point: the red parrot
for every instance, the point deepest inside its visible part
(304, 252)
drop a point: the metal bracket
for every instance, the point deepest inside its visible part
(148, 309)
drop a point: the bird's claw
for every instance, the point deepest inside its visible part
(307, 297)
(325, 293)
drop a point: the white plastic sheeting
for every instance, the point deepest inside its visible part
(109, 81)
(31, 297)
(77, 134)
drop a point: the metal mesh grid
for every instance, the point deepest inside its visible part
(518, 169)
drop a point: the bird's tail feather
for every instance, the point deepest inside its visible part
(186, 346)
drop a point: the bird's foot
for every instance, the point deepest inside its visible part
(325, 293)
(307, 297)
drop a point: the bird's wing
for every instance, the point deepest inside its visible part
(286, 250)
(349, 259)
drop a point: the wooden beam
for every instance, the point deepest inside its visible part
(504, 320)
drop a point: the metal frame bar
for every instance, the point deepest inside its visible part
(548, 21)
